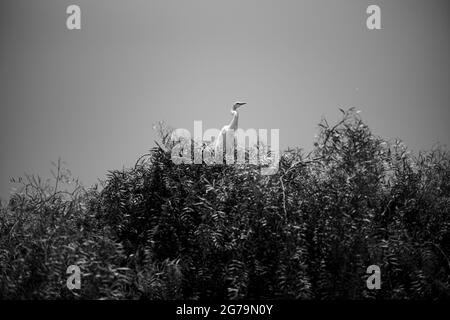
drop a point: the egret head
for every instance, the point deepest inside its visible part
(238, 105)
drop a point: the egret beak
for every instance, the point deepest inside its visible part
(240, 104)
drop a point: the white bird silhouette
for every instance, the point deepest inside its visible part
(228, 130)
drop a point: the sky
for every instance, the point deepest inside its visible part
(91, 96)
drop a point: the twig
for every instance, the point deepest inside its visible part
(140, 158)
(57, 176)
(441, 252)
(284, 196)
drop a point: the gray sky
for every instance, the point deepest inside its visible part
(91, 96)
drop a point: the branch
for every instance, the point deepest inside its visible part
(284, 196)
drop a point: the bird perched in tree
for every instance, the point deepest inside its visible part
(228, 130)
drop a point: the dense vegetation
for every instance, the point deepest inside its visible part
(165, 231)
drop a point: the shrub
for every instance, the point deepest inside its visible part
(165, 231)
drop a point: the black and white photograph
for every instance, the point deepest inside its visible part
(221, 156)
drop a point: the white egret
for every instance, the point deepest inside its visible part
(228, 130)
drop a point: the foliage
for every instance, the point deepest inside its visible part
(165, 231)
